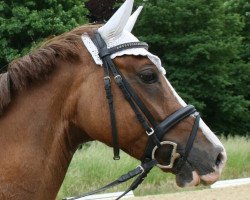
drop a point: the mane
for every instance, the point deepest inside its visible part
(40, 63)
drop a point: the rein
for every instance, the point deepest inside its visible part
(153, 129)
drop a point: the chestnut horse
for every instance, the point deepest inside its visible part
(53, 99)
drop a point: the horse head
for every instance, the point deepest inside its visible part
(142, 73)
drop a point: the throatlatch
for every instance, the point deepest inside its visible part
(153, 129)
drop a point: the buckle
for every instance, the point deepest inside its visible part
(142, 169)
(151, 132)
(174, 154)
(116, 158)
(118, 77)
(196, 114)
(106, 77)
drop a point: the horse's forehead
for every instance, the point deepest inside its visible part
(125, 37)
(133, 63)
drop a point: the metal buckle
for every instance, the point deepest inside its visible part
(142, 169)
(106, 78)
(118, 77)
(196, 114)
(174, 154)
(151, 132)
(116, 158)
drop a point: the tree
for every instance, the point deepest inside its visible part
(240, 70)
(199, 42)
(242, 7)
(101, 10)
(24, 23)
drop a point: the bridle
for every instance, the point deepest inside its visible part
(153, 129)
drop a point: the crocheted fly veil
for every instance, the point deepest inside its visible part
(117, 31)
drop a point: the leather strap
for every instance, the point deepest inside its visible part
(127, 91)
(166, 125)
(128, 45)
(177, 168)
(138, 101)
(109, 96)
(142, 169)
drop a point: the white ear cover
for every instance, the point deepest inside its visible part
(117, 22)
(132, 19)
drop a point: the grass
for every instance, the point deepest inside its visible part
(93, 167)
(238, 152)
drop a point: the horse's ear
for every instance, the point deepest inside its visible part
(117, 22)
(132, 19)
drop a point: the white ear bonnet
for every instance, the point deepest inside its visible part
(118, 31)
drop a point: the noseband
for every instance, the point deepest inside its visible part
(155, 131)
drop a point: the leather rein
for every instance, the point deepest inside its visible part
(153, 129)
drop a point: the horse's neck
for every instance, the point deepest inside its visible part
(34, 140)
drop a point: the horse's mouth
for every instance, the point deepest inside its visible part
(203, 172)
(181, 182)
(196, 179)
(189, 177)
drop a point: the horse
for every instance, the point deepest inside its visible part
(53, 99)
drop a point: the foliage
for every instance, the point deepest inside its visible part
(100, 10)
(242, 7)
(24, 23)
(200, 44)
(241, 71)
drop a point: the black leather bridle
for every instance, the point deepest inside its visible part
(153, 129)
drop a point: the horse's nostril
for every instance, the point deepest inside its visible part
(219, 159)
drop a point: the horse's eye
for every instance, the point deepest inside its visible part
(148, 76)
